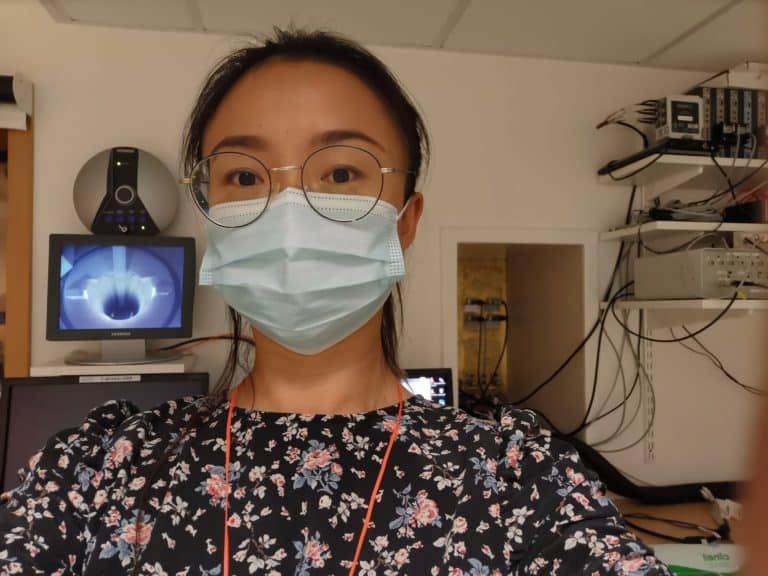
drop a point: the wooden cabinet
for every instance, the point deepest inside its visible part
(16, 228)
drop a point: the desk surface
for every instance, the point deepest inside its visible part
(695, 512)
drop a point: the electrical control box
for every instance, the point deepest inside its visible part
(701, 273)
(679, 118)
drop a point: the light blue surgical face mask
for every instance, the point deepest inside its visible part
(304, 281)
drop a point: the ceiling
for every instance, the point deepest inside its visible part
(692, 34)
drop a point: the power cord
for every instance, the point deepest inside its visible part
(708, 325)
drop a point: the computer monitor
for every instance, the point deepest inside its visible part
(33, 409)
(120, 290)
(434, 384)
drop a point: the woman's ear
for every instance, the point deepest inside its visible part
(409, 221)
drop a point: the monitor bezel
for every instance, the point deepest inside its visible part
(58, 241)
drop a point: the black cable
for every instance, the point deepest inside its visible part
(636, 172)
(685, 245)
(736, 184)
(672, 521)
(631, 127)
(755, 284)
(653, 495)
(731, 188)
(756, 245)
(479, 346)
(201, 339)
(503, 346)
(619, 405)
(718, 363)
(562, 366)
(709, 324)
(678, 539)
(593, 394)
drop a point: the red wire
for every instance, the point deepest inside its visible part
(232, 402)
(372, 500)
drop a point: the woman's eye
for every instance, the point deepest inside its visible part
(343, 175)
(243, 178)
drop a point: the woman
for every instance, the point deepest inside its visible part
(304, 154)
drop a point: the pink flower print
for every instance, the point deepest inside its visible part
(133, 534)
(612, 540)
(113, 517)
(389, 424)
(581, 499)
(314, 553)
(337, 469)
(234, 521)
(120, 451)
(317, 459)
(513, 456)
(216, 487)
(425, 511)
(278, 480)
(401, 557)
(137, 483)
(460, 524)
(460, 549)
(293, 454)
(494, 510)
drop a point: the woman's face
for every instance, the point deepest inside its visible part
(282, 111)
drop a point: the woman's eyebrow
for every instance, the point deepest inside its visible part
(336, 136)
(241, 141)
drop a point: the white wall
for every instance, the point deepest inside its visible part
(514, 146)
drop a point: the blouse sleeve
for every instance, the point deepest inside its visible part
(557, 516)
(44, 520)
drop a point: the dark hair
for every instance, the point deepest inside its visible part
(338, 51)
(296, 45)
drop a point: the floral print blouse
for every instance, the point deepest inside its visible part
(461, 497)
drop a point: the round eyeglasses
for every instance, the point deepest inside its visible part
(233, 189)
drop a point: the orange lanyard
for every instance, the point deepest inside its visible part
(371, 500)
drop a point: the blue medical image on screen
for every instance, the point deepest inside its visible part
(120, 287)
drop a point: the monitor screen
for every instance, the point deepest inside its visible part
(433, 384)
(102, 287)
(33, 409)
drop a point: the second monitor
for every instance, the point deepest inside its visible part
(118, 288)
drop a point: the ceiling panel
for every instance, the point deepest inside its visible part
(739, 35)
(156, 14)
(392, 22)
(623, 31)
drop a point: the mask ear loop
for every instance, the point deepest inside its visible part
(404, 208)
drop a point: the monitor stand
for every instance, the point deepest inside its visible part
(120, 352)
